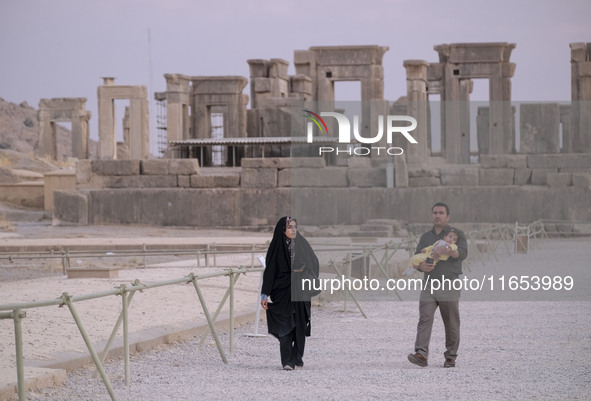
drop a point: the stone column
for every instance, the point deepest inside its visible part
(47, 135)
(80, 136)
(501, 139)
(177, 106)
(581, 97)
(139, 138)
(107, 149)
(482, 130)
(466, 86)
(416, 90)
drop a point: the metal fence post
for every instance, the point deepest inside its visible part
(68, 301)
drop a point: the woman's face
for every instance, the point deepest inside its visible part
(291, 229)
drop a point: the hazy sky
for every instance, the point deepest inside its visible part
(62, 48)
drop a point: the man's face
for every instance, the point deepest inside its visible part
(439, 216)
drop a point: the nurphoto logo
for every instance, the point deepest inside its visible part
(345, 133)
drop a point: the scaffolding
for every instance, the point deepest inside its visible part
(160, 98)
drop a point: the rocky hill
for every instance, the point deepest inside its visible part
(19, 129)
(19, 140)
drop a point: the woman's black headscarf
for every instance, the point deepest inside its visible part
(284, 256)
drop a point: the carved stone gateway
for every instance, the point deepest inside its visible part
(63, 110)
(459, 63)
(139, 134)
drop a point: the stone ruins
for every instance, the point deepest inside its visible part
(206, 122)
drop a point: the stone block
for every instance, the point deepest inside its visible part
(522, 176)
(226, 181)
(183, 166)
(146, 181)
(539, 175)
(319, 177)
(92, 272)
(459, 175)
(582, 180)
(571, 160)
(116, 167)
(539, 128)
(83, 171)
(266, 162)
(70, 207)
(558, 179)
(184, 181)
(496, 176)
(202, 181)
(400, 172)
(503, 161)
(258, 178)
(424, 181)
(366, 177)
(362, 162)
(284, 178)
(262, 84)
(154, 167)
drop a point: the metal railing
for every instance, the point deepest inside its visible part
(16, 313)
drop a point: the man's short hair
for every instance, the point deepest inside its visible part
(441, 204)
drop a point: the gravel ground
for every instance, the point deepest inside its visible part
(509, 351)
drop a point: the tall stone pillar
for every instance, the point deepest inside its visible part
(416, 91)
(501, 139)
(178, 101)
(107, 149)
(47, 136)
(581, 97)
(466, 86)
(80, 136)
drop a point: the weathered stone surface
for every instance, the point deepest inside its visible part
(503, 161)
(362, 162)
(116, 167)
(226, 181)
(184, 181)
(582, 180)
(70, 207)
(558, 179)
(424, 181)
(154, 167)
(572, 160)
(539, 128)
(202, 181)
(459, 175)
(284, 162)
(366, 177)
(266, 162)
(284, 178)
(258, 178)
(424, 172)
(83, 171)
(319, 206)
(496, 176)
(183, 166)
(539, 175)
(319, 177)
(522, 176)
(145, 181)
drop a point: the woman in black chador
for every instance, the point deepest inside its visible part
(289, 259)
